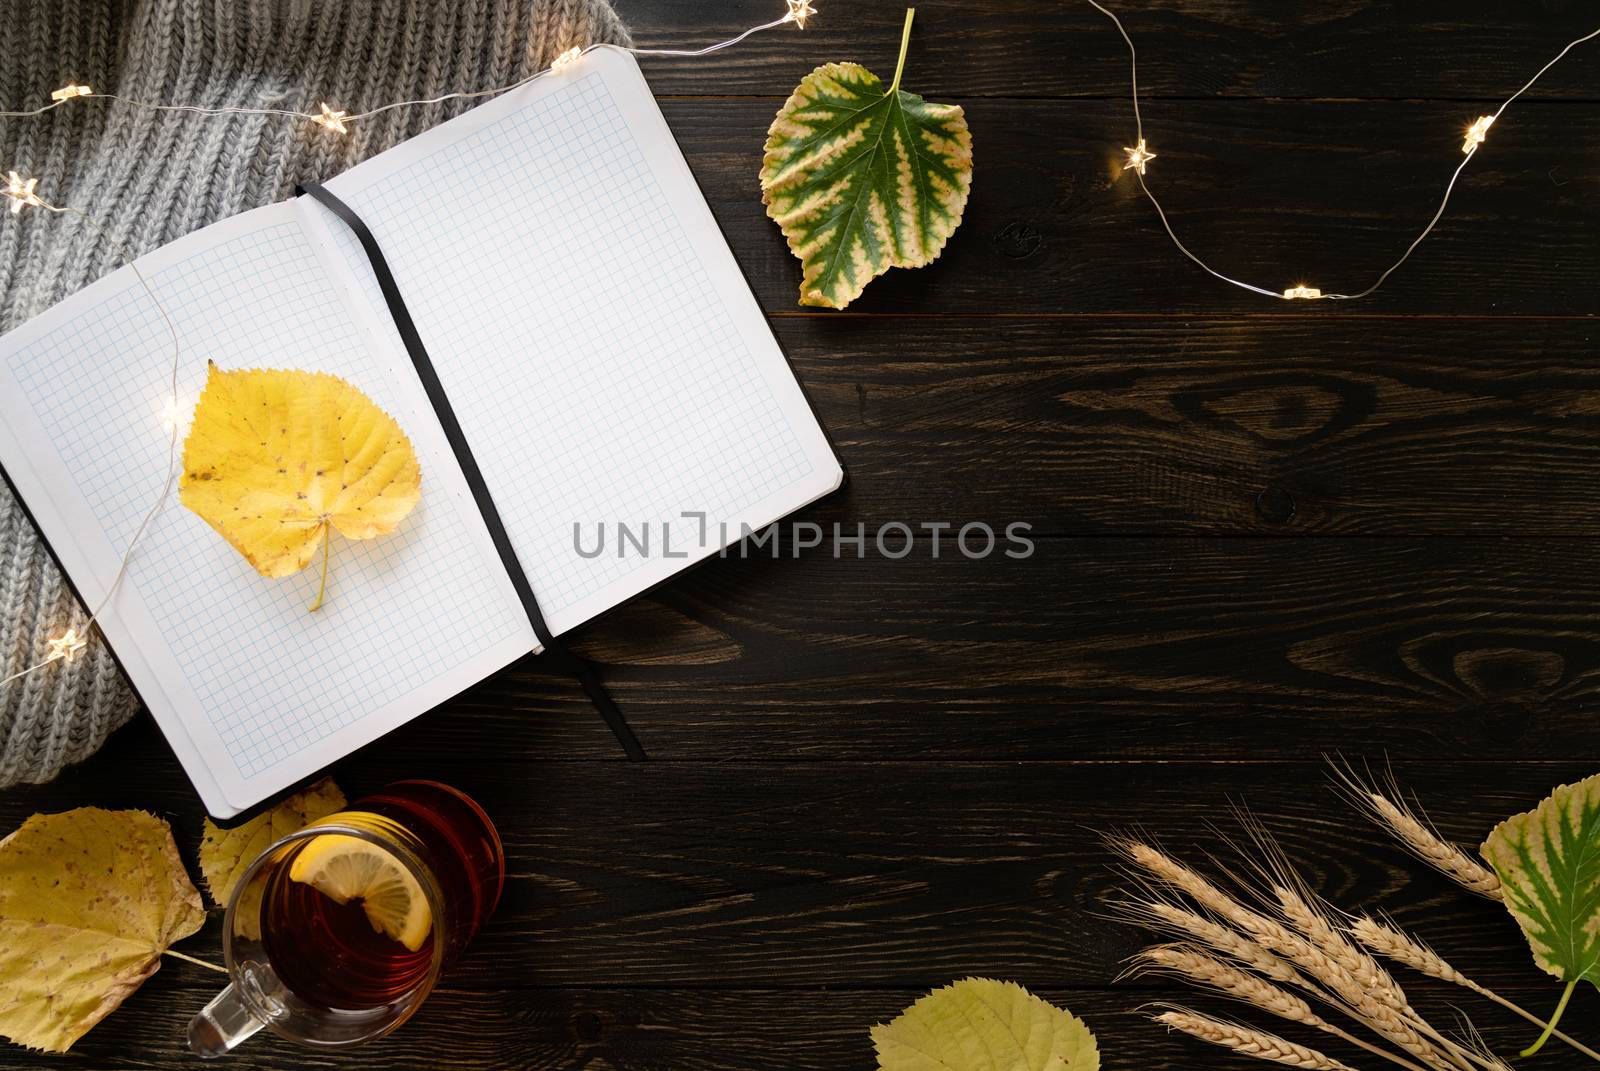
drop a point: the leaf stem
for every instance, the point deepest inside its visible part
(196, 962)
(1534, 1019)
(323, 587)
(1549, 1028)
(905, 43)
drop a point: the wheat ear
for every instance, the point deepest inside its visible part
(1212, 973)
(1379, 998)
(1416, 834)
(1247, 1041)
(1361, 981)
(1302, 911)
(1396, 1025)
(1350, 993)
(1161, 915)
(1270, 933)
(1402, 948)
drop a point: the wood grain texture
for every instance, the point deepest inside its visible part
(665, 914)
(1264, 533)
(1110, 649)
(1276, 192)
(707, 1029)
(1275, 426)
(1353, 49)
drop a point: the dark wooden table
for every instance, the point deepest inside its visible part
(1264, 533)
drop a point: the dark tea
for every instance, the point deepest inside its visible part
(346, 927)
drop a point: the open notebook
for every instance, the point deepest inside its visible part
(596, 340)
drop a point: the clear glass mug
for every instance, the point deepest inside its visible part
(323, 937)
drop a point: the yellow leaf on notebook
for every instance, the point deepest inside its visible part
(225, 853)
(89, 900)
(276, 461)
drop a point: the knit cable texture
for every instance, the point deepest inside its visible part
(149, 177)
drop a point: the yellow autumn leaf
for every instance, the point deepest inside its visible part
(225, 853)
(89, 900)
(979, 1024)
(277, 460)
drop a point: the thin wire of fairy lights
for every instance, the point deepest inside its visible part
(797, 12)
(1139, 156)
(22, 193)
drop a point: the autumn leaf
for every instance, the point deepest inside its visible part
(226, 853)
(861, 179)
(276, 461)
(89, 901)
(1548, 862)
(979, 1024)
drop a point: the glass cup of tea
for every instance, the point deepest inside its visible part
(336, 934)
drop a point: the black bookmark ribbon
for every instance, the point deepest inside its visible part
(564, 657)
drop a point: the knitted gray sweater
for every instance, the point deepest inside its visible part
(149, 177)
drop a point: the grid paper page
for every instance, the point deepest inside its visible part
(269, 681)
(589, 350)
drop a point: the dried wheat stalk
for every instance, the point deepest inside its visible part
(1209, 972)
(1417, 834)
(1356, 976)
(1268, 932)
(1390, 942)
(1172, 918)
(1213, 973)
(1400, 947)
(1304, 913)
(1247, 1041)
(1325, 962)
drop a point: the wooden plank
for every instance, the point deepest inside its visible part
(817, 1029)
(1106, 649)
(761, 874)
(1276, 192)
(1475, 49)
(1162, 426)
(739, 877)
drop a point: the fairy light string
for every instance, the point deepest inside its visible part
(22, 193)
(1138, 156)
(339, 122)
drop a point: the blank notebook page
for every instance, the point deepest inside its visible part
(253, 691)
(602, 351)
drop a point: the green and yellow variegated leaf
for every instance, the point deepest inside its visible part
(1549, 862)
(979, 1024)
(861, 180)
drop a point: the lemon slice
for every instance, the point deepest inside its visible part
(345, 868)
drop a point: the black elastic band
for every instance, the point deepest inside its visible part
(564, 657)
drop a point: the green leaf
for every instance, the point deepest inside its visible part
(861, 179)
(1548, 859)
(979, 1024)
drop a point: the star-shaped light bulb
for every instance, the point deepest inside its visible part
(169, 415)
(566, 59)
(332, 120)
(20, 191)
(1477, 134)
(1307, 293)
(799, 11)
(67, 92)
(67, 644)
(1138, 156)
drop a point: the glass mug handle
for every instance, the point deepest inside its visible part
(228, 1019)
